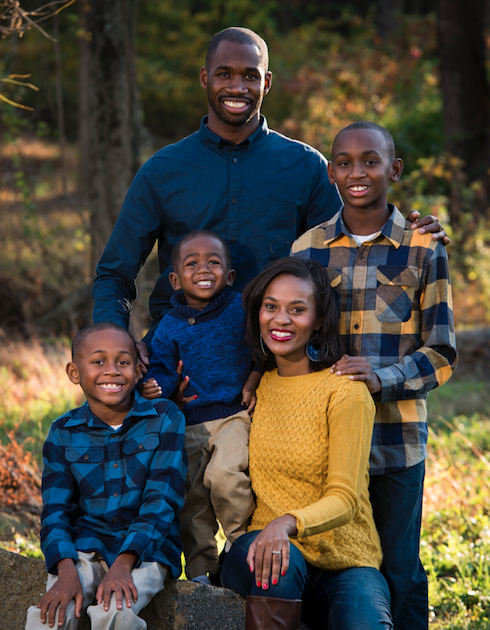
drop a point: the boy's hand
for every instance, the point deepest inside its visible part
(358, 369)
(178, 396)
(151, 389)
(143, 356)
(248, 392)
(428, 224)
(119, 580)
(67, 587)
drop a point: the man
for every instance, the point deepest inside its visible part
(254, 187)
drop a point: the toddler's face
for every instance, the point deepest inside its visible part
(202, 271)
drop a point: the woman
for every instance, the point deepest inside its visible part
(309, 462)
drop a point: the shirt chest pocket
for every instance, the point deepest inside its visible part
(87, 466)
(395, 292)
(138, 453)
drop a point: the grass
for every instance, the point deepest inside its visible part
(455, 549)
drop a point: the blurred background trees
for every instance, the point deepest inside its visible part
(129, 77)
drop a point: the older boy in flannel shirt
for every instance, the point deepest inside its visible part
(394, 299)
(113, 485)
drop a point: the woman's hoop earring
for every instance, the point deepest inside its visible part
(262, 346)
(314, 350)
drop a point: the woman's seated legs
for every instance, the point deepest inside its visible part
(236, 573)
(353, 599)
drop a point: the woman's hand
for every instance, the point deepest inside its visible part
(268, 555)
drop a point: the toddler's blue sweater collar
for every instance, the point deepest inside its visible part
(211, 311)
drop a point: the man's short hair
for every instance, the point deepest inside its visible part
(80, 338)
(364, 124)
(238, 35)
(195, 234)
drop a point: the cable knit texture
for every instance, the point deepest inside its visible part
(309, 457)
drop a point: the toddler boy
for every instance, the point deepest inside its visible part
(393, 294)
(113, 485)
(205, 332)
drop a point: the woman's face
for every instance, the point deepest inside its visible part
(287, 319)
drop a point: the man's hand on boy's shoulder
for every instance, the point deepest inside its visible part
(357, 369)
(118, 580)
(66, 588)
(428, 224)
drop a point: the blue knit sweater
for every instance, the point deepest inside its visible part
(216, 358)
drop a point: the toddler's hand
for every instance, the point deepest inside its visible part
(151, 389)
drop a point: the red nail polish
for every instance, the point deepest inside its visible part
(283, 573)
(258, 583)
(274, 581)
(265, 586)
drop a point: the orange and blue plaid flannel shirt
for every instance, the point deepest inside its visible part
(393, 295)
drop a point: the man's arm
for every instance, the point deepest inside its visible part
(137, 228)
(163, 495)
(434, 361)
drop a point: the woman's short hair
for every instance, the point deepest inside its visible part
(328, 332)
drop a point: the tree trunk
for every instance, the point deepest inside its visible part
(465, 88)
(109, 120)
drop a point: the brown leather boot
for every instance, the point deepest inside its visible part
(272, 613)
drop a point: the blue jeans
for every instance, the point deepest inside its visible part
(397, 508)
(353, 599)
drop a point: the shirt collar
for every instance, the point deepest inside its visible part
(219, 144)
(393, 229)
(83, 415)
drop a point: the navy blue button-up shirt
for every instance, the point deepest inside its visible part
(259, 196)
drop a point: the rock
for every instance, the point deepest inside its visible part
(180, 606)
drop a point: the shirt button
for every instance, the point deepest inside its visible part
(116, 494)
(115, 465)
(232, 240)
(140, 446)
(358, 291)
(233, 200)
(356, 326)
(114, 520)
(234, 160)
(85, 457)
(191, 321)
(361, 255)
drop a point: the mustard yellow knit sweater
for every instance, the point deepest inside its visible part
(309, 457)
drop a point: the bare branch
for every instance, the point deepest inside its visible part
(14, 20)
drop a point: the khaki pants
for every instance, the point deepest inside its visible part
(217, 488)
(148, 579)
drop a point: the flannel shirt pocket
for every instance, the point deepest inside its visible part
(138, 453)
(396, 287)
(87, 466)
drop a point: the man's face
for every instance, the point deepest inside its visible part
(236, 83)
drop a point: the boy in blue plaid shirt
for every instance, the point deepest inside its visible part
(113, 486)
(393, 295)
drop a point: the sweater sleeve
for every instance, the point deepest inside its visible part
(164, 360)
(350, 419)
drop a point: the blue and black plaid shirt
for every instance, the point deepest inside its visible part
(115, 491)
(394, 299)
